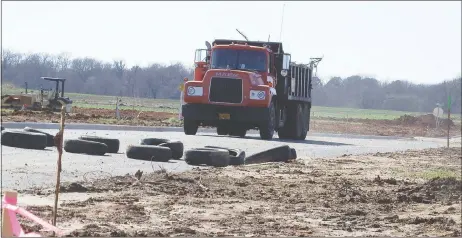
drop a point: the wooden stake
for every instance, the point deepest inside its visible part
(449, 124)
(59, 146)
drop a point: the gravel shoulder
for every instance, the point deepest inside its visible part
(410, 193)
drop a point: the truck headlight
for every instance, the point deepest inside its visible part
(284, 72)
(195, 91)
(257, 95)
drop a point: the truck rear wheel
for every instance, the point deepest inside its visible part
(305, 119)
(190, 127)
(267, 127)
(294, 127)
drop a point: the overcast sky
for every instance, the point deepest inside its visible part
(416, 41)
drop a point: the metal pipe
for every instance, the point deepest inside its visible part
(62, 89)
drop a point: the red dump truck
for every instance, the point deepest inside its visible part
(242, 85)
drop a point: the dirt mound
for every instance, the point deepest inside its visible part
(22, 113)
(428, 120)
(444, 188)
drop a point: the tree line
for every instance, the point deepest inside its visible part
(88, 75)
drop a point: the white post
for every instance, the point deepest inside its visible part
(180, 116)
(117, 109)
(180, 113)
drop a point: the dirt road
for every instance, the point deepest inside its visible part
(23, 168)
(410, 193)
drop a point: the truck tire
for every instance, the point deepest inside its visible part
(293, 154)
(85, 147)
(207, 156)
(153, 141)
(222, 130)
(293, 127)
(112, 144)
(176, 146)
(190, 127)
(238, 131)
(50, 138)
(149, 153)
(24, 139)
(236, 156)
(304, 120)
(267, 128)
(277, 154)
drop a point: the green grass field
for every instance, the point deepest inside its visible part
(167, 105)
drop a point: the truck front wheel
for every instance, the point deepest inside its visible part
(267, 127)
(190, 127)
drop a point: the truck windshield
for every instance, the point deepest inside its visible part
(253, 60)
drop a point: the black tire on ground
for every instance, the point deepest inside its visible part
(153, 141)
(277, 154)
(207, 156)
(176, 146)
(190, 127)
(236, 156)
(85, 147)
(149, 153)
(50, 138)
(293, 154)
(267, 127)
(24, 139)
(112, 144)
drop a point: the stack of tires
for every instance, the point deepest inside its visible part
(156, 149)
(222, 157)
(92, 145)
(27, 139)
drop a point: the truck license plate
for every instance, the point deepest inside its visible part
(224, 116)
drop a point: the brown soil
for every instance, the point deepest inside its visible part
(347, 196)
(408, 126)
(95, 116)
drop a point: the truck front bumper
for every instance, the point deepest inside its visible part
(211, 112)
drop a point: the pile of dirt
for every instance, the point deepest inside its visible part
(99, 116)
(427, 120)
(23, 113)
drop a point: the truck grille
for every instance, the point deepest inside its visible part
(227, 90)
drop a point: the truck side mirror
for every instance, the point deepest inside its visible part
(286, 61)
(285, 64)
(201, 55)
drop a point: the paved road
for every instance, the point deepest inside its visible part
(22, 168)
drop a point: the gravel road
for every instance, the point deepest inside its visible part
(22, 168)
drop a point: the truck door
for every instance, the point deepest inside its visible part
(201, 61)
